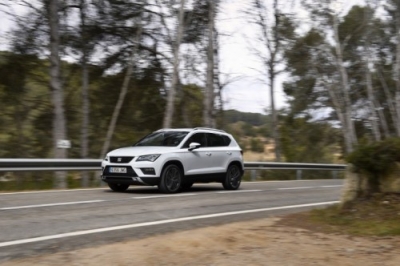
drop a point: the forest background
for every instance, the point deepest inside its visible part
(104, 73)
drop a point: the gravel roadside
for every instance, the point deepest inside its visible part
(258, 242)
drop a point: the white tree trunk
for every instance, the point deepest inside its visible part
(397, 73)
(371, 101)
(389, 101)
(59, 121)
(169, 113)
(350, 129)
(208, 116)
(85, 94)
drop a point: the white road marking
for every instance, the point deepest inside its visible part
(51, 191)
(51, 205)
(106, 188)
(289, 188)
(129, 226)
(284, 181)
(239, 191)
(165, 196)
(157, 196)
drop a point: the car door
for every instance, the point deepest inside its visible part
(217, 151)
(196, 162)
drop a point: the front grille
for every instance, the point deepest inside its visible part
(121, 159)
(129, 173)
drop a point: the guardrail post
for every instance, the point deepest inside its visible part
(298, 174)
(253, 175)
(334, 174)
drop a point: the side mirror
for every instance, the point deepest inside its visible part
(194, 145)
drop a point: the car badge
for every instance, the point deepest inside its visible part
(119, 159)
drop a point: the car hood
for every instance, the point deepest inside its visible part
(137, 151)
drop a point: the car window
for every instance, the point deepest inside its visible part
(227, 140)
(197, 137)
(163, 138)
(216, 140)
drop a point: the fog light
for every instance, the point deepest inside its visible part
(148, 171)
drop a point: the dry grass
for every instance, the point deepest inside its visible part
(376, 216)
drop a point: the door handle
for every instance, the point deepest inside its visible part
(229, 153)
(208, 154)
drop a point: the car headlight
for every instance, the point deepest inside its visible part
(148, 158)
(106, 158)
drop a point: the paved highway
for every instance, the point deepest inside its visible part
(39, 222)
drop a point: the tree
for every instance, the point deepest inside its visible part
(304, 141)
(273, 35)
(59, 121)
(209, 94)
(176, 43)
(124, 88)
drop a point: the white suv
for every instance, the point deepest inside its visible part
(174, 159)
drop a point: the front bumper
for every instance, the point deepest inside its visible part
(133, 176)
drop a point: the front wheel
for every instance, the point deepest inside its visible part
(171, 179)
(186, 186)
(233, 177)
(118, 187)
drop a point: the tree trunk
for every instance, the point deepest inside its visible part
(389, 100)
(371, 101)
(85, 95)
(272, 72)
(217, 81)
(59, 121)
(341, 115)
(345, 88)
(382, 119)
(208, 116)
(397, 71)
(122, 94)
(169, 113)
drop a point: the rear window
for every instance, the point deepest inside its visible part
(217, 140)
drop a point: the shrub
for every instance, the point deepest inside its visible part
(376, 159)
(256, 145)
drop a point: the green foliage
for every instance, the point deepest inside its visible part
(376, 158)
(256, 145)
(189, 107)
(248, 130)
(303, 141)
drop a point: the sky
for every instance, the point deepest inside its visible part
(251, 94)
(248, 92)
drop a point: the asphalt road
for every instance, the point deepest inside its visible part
(41, 222)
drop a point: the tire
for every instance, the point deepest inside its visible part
(118, 187)
(171, 179)
(186, 186)
(233, 177)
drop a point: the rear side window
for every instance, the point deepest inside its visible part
(227, 140)
(216, 140)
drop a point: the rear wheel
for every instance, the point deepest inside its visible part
(171, 179)
(118, 187)
(233, 177)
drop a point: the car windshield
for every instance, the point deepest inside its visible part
(163, 138)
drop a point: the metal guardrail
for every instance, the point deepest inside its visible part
(18, 165)
(294, 166)
(14, 165)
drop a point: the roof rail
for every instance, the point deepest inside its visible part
(209, 128)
